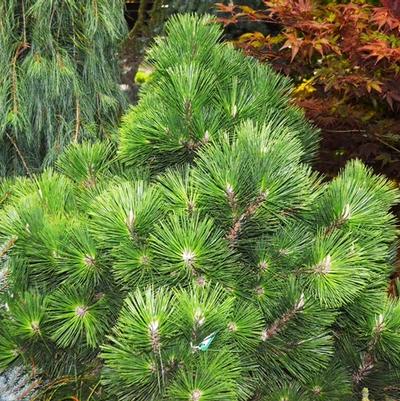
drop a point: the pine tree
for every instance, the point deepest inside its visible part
(58, 77)
(205, 261)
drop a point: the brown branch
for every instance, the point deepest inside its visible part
(238, 224)
(231, 197)
(96, 10)
(345, 216)
(280, 323)
(34, 385)
(156, 16)
(8, 245)
(14, 91)
(387, 144)
(24, 21)
(77, 120)
(364, 369)
(139, 24)
(345, 131)
(20, 49)
(368, 360)
(10, 138)
(4, 198)
(154, 336)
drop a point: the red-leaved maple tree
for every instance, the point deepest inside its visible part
(345, 62)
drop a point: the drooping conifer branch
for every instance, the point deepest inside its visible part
(56, 60)
(77, 120)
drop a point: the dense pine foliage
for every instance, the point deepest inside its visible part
(201, 88)
(205, 261)
(58, 77)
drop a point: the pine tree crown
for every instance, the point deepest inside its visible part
(203, 87)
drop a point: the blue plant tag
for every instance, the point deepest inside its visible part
(205, 344)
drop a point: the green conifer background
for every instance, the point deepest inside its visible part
(58, 77)
(205, 261)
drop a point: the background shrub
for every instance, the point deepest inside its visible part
(58, 77)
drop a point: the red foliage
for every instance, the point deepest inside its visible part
(345, 60)
(393, 6)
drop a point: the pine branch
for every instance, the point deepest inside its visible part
(245, 216)
(77, 120)
(7, 246)
(24, 21)
(364, 369)
(368, 361)
(51, 85)
(281, 322)
(346, 214)
(14, 92)
(20, 155)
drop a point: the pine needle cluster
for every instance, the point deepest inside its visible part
(58, 77)
(205, 261)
